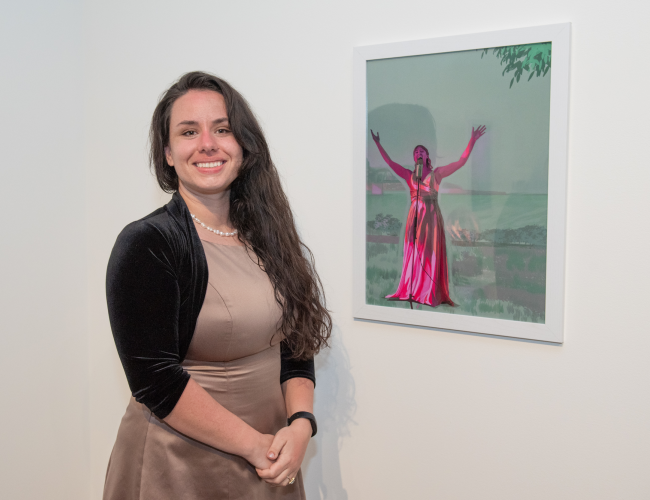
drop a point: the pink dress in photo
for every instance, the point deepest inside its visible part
(424, 270)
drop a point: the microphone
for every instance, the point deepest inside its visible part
(418, 169)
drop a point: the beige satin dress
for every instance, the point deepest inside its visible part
(235, 356)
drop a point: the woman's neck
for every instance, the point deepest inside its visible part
(212, 209)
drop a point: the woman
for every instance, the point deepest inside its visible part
(424, 270)
(216, 314)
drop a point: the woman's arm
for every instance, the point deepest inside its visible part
(290, 443)
(442, 172)
(397, 168)
(144, 303)
(199, 416)
(199, 413)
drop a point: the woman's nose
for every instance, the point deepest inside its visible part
(208, 143)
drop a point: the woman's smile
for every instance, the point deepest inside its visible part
(210, 165)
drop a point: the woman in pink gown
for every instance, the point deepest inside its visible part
(424, 270)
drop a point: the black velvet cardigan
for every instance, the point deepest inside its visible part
(156, 282)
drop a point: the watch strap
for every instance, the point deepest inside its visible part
(308, 416)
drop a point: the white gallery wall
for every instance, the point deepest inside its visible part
(44, 447)
(403, 412)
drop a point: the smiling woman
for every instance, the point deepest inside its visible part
(202, 149)
(217, 312)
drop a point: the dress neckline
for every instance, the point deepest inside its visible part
(221, 244)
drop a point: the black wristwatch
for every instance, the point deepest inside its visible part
(308, 416)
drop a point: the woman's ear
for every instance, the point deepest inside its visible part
(168, 156)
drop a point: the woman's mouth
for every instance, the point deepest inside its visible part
(213, 164)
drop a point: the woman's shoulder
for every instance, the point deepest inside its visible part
(161, 240)
(157, 232)
(149, 227)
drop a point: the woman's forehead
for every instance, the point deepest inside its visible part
(199, 104)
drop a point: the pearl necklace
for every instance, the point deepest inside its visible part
(215, 231)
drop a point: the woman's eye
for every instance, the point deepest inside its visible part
(189, 133)
(222, 131)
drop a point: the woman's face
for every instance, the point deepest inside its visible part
(420, 153)
(202, 148)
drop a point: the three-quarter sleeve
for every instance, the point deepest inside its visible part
(292, 368)
(144, 301)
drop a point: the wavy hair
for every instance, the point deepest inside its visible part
(260, 211)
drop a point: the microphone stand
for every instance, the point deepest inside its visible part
(418, 177)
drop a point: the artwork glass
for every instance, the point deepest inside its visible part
(457, 182)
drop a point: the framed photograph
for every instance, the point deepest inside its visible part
(460, 167)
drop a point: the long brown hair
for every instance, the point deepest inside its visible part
(260, 212)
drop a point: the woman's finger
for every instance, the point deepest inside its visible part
(291, 478)
(279, 441)
(294, 476)
(273, 472)
(282, 480)
(276, 470)
(276, 479)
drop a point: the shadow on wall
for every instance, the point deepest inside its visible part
(334, 407)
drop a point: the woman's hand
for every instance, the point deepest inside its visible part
(287, 452)
(374, 137)
(258, 456)
(476, 134)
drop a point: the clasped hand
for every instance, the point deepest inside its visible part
(285, 454)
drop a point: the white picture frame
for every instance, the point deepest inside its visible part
(552, 328)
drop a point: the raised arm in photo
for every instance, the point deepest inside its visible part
(397, 168)
(447, 170)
